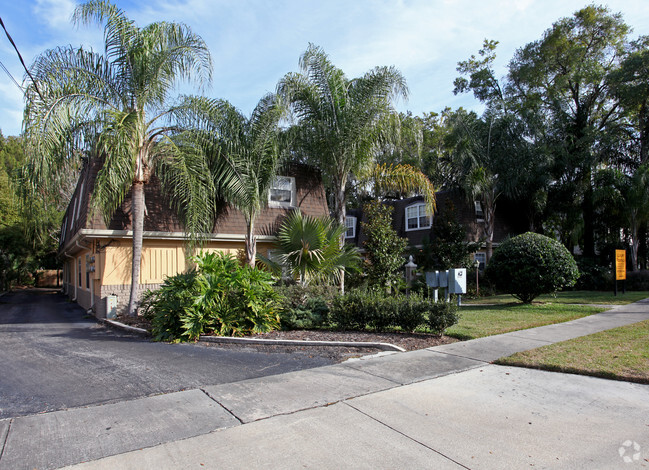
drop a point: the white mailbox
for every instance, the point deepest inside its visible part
(457, 281)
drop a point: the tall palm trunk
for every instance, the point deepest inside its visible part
(251, 243)
(339, 214)
(490, 215)
(137, 220)
(635, 241)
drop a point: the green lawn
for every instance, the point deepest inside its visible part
(477, 321)
(569, 297)
(621, 353)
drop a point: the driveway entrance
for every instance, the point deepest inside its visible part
(53, 356)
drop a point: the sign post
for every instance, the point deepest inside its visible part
(620, 269)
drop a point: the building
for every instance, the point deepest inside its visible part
(97, 257)
(412, 221)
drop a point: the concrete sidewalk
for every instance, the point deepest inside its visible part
(444, 407)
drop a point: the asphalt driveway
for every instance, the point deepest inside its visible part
(53, 357)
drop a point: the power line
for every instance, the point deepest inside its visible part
(11, 76)
(20, 57)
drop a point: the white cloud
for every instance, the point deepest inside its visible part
(11, 108)
(255, 42)
(55, 13)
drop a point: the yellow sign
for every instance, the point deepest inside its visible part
(620, 265)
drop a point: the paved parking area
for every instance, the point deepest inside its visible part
(54, 357)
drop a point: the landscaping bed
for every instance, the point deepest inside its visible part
(407, 341)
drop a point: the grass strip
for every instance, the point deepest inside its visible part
(477, 321)
(569, 297)
(621, 354)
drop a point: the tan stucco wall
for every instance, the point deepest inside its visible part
(160, 258)
(112, 275)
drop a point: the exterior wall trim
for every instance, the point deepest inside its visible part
(88, 234)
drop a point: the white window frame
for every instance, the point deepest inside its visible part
(283, 183)
(481, 256)
(350, 223)
(422, 211)
(479, 212)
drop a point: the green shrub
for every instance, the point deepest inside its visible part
(219, 296)
(635, 280)
(384, 247)
(373, 309)
(313, 314)
(168, 305)
(349, 311)
(529, 265)
(441, 315)
(593, 276)
(305, 307)
(410, 312)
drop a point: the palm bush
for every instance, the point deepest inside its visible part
(309, 248)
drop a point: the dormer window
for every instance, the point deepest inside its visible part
(282, 192)
(417, 217)
(479, 213)
(350, 225)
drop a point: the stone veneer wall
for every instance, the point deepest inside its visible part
(122, 292)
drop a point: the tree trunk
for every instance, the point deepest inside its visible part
(635, 242)
(339, 213)
(137, 221)
(251, 243)
(490, 215)
(642, 246)
(589, 216)
(644, 133)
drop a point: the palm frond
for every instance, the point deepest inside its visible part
(404, 178)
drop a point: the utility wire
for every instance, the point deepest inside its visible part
(11, 76)
(20, 57)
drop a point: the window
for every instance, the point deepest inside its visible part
(282, 192)
(350, 225)
(417, 217)
(479, 214)
(482, 258)
(87, 271)
(79, 271)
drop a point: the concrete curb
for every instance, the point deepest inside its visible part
(122, 326)
(267, 342)
(294, 342)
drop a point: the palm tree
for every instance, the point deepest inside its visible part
(251, 147)
(625, 198)
(343, 123)
(114, 106)
(482, 150)
(309, 248)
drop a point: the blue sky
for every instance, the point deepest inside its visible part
(255, 42)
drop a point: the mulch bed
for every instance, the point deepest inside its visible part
(407, 341)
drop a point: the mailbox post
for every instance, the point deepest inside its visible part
(452, 281)
(432, 281)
